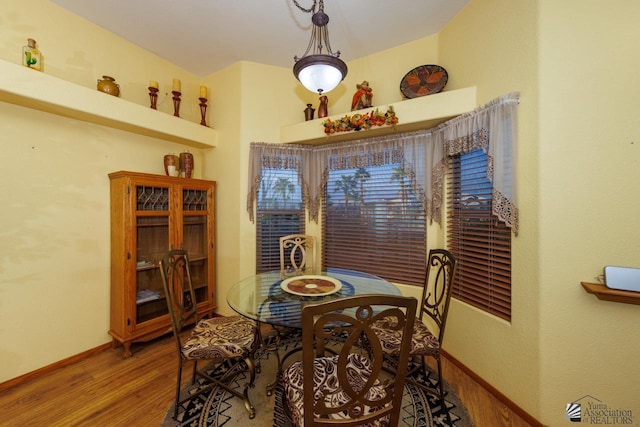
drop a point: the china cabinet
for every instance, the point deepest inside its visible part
(151, 214)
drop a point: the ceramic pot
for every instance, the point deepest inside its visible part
(171, 165)
(108, 85)
(308, 112)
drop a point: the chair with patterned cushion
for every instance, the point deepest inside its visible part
(428, 329)
(232, 340)
(340, 381)
(297, 254)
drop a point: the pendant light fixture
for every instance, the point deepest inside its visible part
(317, 71)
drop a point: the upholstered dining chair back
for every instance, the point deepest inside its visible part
(297, 254)
(341, 380)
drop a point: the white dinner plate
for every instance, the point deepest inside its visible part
(311, 286)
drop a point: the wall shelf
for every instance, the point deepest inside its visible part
(613, 295)
(413, 114)
(40, 91)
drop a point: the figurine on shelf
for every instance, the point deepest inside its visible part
(363, 98)
(323, 107)
(31, 56)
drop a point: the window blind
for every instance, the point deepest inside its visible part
(481, 243)
(373, 222)
(279, 212)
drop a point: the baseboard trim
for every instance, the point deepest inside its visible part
(495, 392)
(54, 366)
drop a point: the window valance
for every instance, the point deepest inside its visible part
(492, 128)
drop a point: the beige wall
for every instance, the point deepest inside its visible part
(589, 179)
(54, 242)
(578, 163)
(492, 45)
(572, 61)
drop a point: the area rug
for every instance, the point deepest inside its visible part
(218, 408)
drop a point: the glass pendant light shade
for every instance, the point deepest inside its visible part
(320, 73)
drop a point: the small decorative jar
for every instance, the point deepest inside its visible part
(109, 85)
(308, 112)
(31, 56)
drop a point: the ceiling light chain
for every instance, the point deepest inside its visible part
(310, 10)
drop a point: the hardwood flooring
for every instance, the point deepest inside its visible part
(106, 390)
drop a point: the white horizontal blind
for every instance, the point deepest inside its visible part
(373, 222)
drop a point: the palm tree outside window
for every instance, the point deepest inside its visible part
(373, 221)
(279, 212)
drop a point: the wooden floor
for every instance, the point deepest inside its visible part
(106, 390)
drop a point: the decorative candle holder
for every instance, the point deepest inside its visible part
(176, 103)
(153, 96)
(203, 110)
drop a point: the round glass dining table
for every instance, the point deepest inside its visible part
(264, 299)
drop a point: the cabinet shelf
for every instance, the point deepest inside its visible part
(613, 295)
(40, 91)
(419, 113)
(147, 267)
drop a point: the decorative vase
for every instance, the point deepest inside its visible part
(186, 164)
(171, 165)
(323, 108)
(308, 112)
(109, 85)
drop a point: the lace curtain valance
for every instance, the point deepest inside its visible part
(423, 155)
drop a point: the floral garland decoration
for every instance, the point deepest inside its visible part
(360, 121)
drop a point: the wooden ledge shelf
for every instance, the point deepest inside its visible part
(613, 295)
(40, 91)
(413, 114)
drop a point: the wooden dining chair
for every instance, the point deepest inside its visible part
(297, 254)
(340, 379)
(219, 340)
(429, 327)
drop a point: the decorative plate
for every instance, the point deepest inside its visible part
(423, 80)
(315, 286)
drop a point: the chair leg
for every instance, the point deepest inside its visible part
(195, 372)
(245, 394)
(441, 388)
(179, 383)
(222, 383)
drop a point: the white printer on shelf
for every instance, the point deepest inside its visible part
(622, 278)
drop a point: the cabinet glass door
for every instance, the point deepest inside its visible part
(152, 243)
(195, 237)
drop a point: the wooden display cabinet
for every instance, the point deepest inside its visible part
(150, 215)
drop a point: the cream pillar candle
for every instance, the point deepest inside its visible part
(203, 91)
(153, 84)
(176, 85)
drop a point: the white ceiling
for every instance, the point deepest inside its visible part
(204, 36)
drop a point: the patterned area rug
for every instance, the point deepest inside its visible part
(219, 408)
